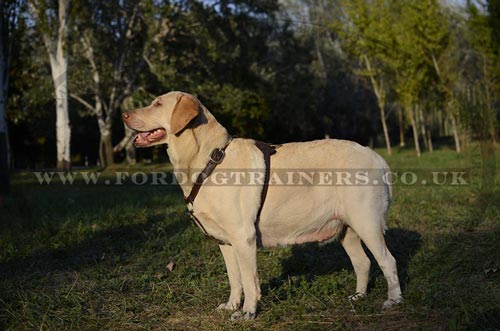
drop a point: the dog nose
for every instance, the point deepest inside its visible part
(125, 115)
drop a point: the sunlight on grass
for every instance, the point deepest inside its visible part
(94, 257)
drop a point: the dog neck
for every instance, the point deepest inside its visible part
(189, 152)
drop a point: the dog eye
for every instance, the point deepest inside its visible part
(157, 103)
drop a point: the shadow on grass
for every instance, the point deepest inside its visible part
(463, 268)
(117, 241)
(311, 260)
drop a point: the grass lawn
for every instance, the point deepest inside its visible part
(94, 257)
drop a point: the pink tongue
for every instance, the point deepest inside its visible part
(141, 138)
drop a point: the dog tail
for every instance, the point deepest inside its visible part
(387, 182)
(387, 178)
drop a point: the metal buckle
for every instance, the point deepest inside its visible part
(217, 156)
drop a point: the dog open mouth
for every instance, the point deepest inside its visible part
(143, 139)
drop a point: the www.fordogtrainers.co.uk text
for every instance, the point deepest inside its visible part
(277, 177)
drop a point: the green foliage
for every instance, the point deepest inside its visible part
(227, 45)
(401, 39)
(29, 62)
(423, 40)
(121, 35)
(244, 111)
(483, 35)
(277, 71)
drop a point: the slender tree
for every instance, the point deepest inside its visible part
(367, 34)
(420, 40)
(53, 25)
(433, 37)
(449, 67)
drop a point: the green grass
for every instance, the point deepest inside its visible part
(94, 258)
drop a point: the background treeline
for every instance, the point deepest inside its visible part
(378, 72)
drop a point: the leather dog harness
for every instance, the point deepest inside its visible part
(216, 157)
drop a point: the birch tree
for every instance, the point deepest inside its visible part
(53, 25)
(432, 35)
(367, 34)
(449, 68)
(422, 40)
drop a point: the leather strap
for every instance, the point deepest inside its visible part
(267, 150)
(216, 157)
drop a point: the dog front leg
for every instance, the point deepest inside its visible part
(234, 276)
(246, 255)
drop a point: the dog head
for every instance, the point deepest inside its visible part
(168, 114)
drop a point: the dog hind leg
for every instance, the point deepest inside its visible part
(369, 229)
(361, 263)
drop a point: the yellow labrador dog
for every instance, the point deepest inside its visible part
(292, 214)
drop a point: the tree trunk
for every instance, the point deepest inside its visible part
(428, 124)
(401, 127)
(379, 91)
(429, 141)
(106, 153)
(384, 128)
(103, 117)
(421, 121)
(106, 149)
(415, 130)
(57, 51)
(456, 136)
(63, 130)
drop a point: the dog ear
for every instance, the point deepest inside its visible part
(185, 110)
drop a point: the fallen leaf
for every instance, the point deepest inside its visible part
(171, 266)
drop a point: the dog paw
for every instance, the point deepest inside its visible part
(245, 316)
(390, 303)
(228, 306)
(356, 296)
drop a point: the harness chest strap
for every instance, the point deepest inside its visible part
(216, 157)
